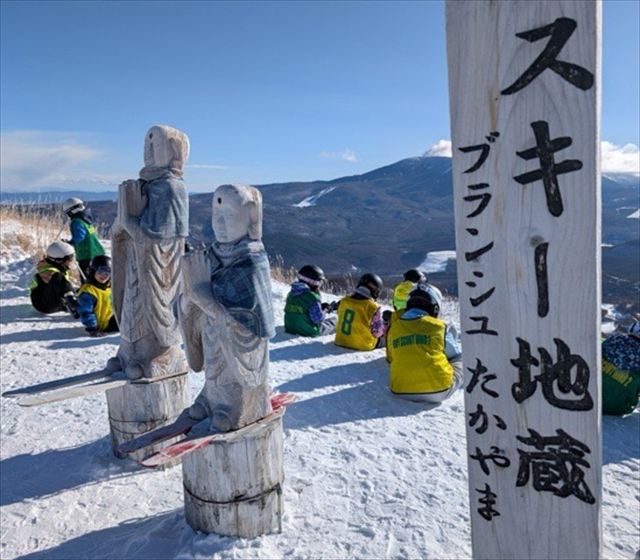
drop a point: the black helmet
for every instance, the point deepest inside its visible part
(414, 275)
(100, 263)
(312, 275)
(373, 282)
(425, 297)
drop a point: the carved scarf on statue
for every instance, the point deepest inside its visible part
(167, 212)
(241, 283)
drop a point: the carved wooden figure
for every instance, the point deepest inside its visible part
(232, 487)
(148, 238)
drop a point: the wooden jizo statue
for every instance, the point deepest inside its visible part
(233, 486)
(148, 238)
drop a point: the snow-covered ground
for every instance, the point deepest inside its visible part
(313, 200)
(436, 261)
(366, 475)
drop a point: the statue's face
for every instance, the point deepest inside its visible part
(157, 149)
(230, 217)
(165, 146)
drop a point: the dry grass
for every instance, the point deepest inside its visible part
(30, 229)
(282, 273)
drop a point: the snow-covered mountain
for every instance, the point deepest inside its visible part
(366, 475)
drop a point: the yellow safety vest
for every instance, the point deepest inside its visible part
(401, 294)
(416, 353)
(103, 309)
(354, 323)
(46, 271)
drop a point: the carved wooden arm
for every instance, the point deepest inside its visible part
(131, 203)
(196, 277)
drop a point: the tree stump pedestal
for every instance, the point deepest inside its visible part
(138, 408)
(233, 486)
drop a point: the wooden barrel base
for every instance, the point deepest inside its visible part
(233, 487)
(138, 408)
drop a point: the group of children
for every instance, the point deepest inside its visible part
(51, 289)
(423, 352)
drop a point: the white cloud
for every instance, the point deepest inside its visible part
(615, 159)
(205, 166)
(345, 155)
(442, 148)
(33, 159)
(620, 159)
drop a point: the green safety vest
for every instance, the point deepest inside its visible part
(296, 314)
(90, 246)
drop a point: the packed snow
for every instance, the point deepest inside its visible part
(313, 200)
(436, 261)
(366, 475)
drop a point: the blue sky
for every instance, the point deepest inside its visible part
(267, 91)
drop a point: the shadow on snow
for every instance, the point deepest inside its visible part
(620, 439)
(36, 475)
(368, 397)
(165, 535)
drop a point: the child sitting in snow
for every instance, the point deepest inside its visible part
(361, 325)
(424, 355)
(401, 291)
(94, 299)
(304, 312)
(50, 288)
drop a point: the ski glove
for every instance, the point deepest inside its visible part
(71, 303)
(330, 307)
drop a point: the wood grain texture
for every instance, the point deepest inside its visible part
(485, 57)
(234, 486)
(138, 408)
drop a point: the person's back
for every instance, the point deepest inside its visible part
(84, 237)
(51, 289)
(304, 312)
(360, 325)
(621, 372)
(402, 290)
(424, 356)
(416, 352)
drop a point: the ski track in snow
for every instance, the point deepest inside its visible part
(366, 475)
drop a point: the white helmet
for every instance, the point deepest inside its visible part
(72, 205)
(59, 251)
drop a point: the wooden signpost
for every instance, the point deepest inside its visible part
(524, 81)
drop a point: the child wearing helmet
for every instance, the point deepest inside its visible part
(360, 322)
(83, 233)
(51, 289)
(304, 312)
(94, 299)
(621, 372)
(424, 355)
(402, 290)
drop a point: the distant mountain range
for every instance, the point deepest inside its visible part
(53, 197)
(388, 219)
